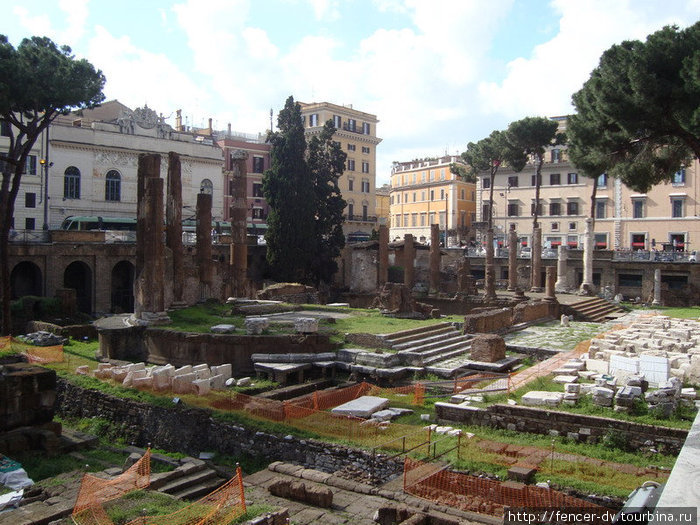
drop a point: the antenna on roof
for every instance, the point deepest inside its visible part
(270, 120)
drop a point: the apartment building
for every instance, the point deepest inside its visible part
(357, 135)
(383, 208)
(664, 218)
(257, 149)
(425, 192)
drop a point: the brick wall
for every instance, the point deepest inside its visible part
(27, 394)
(488, 322)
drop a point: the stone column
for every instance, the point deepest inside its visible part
(551, 277)
(489, 268)
(512, 259)
(238, 255)
(465, 283)
(562, 284)
(657, 288)
(173, 228)
(383, 273)
(149, 302)
(204, 262)
(409, 254)
(434, 257)
(149, 166)
(536, 269)
(587, 287)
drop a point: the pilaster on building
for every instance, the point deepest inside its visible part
(356, 132)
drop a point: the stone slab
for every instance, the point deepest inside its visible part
(363, 406)
(542, 398)
(565, 379)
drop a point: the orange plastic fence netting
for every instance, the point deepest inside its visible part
(417, 390)
(95, 491)
(44, 354)
(483, 383)
(482, 495)
(221, 506)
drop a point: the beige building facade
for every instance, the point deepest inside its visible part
(357, 135)
(667, 217)
(426, 192)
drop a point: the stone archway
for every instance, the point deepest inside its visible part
(25, 279)
(122, 293)
(78, 276)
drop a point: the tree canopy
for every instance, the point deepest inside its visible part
(638, 115)
(304, 234)
(38, 82)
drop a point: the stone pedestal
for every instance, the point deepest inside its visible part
(488, 348)
(536, 270)
(549, 283)
(512, 259)
(409, 255)
(383, 271)
(434, 257)
(657, 288)
(562, 284)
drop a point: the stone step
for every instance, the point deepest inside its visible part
(431, 347)
(184, 482)
(199, 490)
(397, 337)
(460, 351)
(427, 341)
(421, 358)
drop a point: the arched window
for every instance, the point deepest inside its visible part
(71, 183)
(206, 187)
(351, 209)
(113, 186)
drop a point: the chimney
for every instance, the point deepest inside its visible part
(229, 129)
(211, 130)
(178, 120)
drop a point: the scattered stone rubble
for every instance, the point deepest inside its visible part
(198, 379)
(42, 338)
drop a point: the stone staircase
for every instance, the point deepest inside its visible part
(190, 481)
(595, 309)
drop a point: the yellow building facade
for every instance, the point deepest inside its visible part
(426, 192)
(383, 207)
(357, 135)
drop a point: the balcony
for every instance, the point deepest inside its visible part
(360, 218)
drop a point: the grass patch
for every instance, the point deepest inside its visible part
(689, 312)
(142, 503)
(372, 322)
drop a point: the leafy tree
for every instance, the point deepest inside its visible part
(290, 193)
(532, 136)
(326, 163)
(638, 115)
(38, 82)
(488, 155)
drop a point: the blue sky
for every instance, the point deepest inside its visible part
(437, 73)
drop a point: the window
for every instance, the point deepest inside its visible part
(4, 129)
(405, 220)
(29, 223)
(572, 241)
(113, 186)
(414, 219)
(392, 199)
(30, 200)
(554, 179)
(556, 155)
(257, 189)
(679, 177)
(536, 179)
(555, 208)
(513, 209)
(638, 208)
(351, 165)
(638, 241)
(431, 218)
(539, 209)
(628, 279)
(432, 195)
(442, 174)
(442, 219)
(572, 226)
(71, 183)
(677, 240)
(600, 241)
(365, 167)
(422, 195)
(472, 217)
(442, 194)
(676, 207)
(351, 183)
(463, 194)
(365, 149)
(513, 181)
(414, 196)
(351, 212)
(337, 121)
(352, 147)
(206, 187)
(572, 178)
(422, 219)
(364, 212)
(30, 165)
(602, 180)
(473, 195)
(486, 183)
(485, 212)
(258, 164)
(555, 226)
(351, 125)
(258, 213)
(313, 120)
(365, 128)
(600, 209)
(365, 187)
(572, 208)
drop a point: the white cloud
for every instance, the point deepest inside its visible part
(40, 23)
(542, 83)
(326, 10)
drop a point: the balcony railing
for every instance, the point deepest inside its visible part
(360, 218)
(29, 236)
